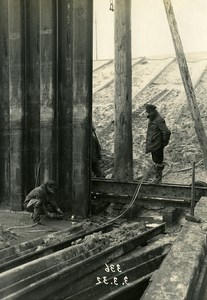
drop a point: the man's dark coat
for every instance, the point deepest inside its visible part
(158, 135)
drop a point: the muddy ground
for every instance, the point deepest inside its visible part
(180, 153)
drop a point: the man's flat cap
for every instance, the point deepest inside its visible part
(51, 184)
(150, 107)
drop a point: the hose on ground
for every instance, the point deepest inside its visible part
(130, 204)
(25, 226)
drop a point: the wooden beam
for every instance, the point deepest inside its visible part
(65, 103)
(132, 291)
(82, 105)
(48, 143)
(62, 281)
(137, 264)
(64, 243)
(16, 100)
(123, 160)
(4, 103)
(32, 95)
(187, 82)
(101, 289)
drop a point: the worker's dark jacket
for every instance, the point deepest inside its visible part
(45, 198)
(158, 135)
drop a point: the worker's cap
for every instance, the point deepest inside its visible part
(51, 184)
(150, 107)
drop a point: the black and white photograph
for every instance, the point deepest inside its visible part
(103, 149)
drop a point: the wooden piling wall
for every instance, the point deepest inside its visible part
(38, 99)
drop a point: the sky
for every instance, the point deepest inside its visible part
(150, 31)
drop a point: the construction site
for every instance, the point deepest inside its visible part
(121, 235)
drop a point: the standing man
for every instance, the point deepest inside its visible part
(158, 136)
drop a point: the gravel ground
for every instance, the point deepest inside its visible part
(183, 147)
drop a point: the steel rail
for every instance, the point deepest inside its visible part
(26, 247)
(138, 271)
(126, 263)
(37, 252)
(52, 285)
(132, 291)
(140, 256)
(124, 200)
(17, 261)
(135, 266)
(34, 277)
(147, 190)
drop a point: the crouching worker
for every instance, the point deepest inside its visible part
(41, 202)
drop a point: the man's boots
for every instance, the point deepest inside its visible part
(155, 174)
(158, 173)
(38, 212)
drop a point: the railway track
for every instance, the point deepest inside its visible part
(16, 256)
(69, 269)
(65, 271)
(83, 265)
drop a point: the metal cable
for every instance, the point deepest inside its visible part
(130, 204)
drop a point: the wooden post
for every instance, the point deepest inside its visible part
(65, 102)
(4, 102)
(48, 145)
(32, 94)
(123, 158)
(190, 93)
(82, 104)
(16, 100)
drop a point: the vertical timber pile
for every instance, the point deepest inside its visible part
(4, 103)
(46, 99)
(123, 159)
(48, 144)
(190, 93)
(65, 102)
(40, 97)
(32, 93)
(82, 104)
(16, 100)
